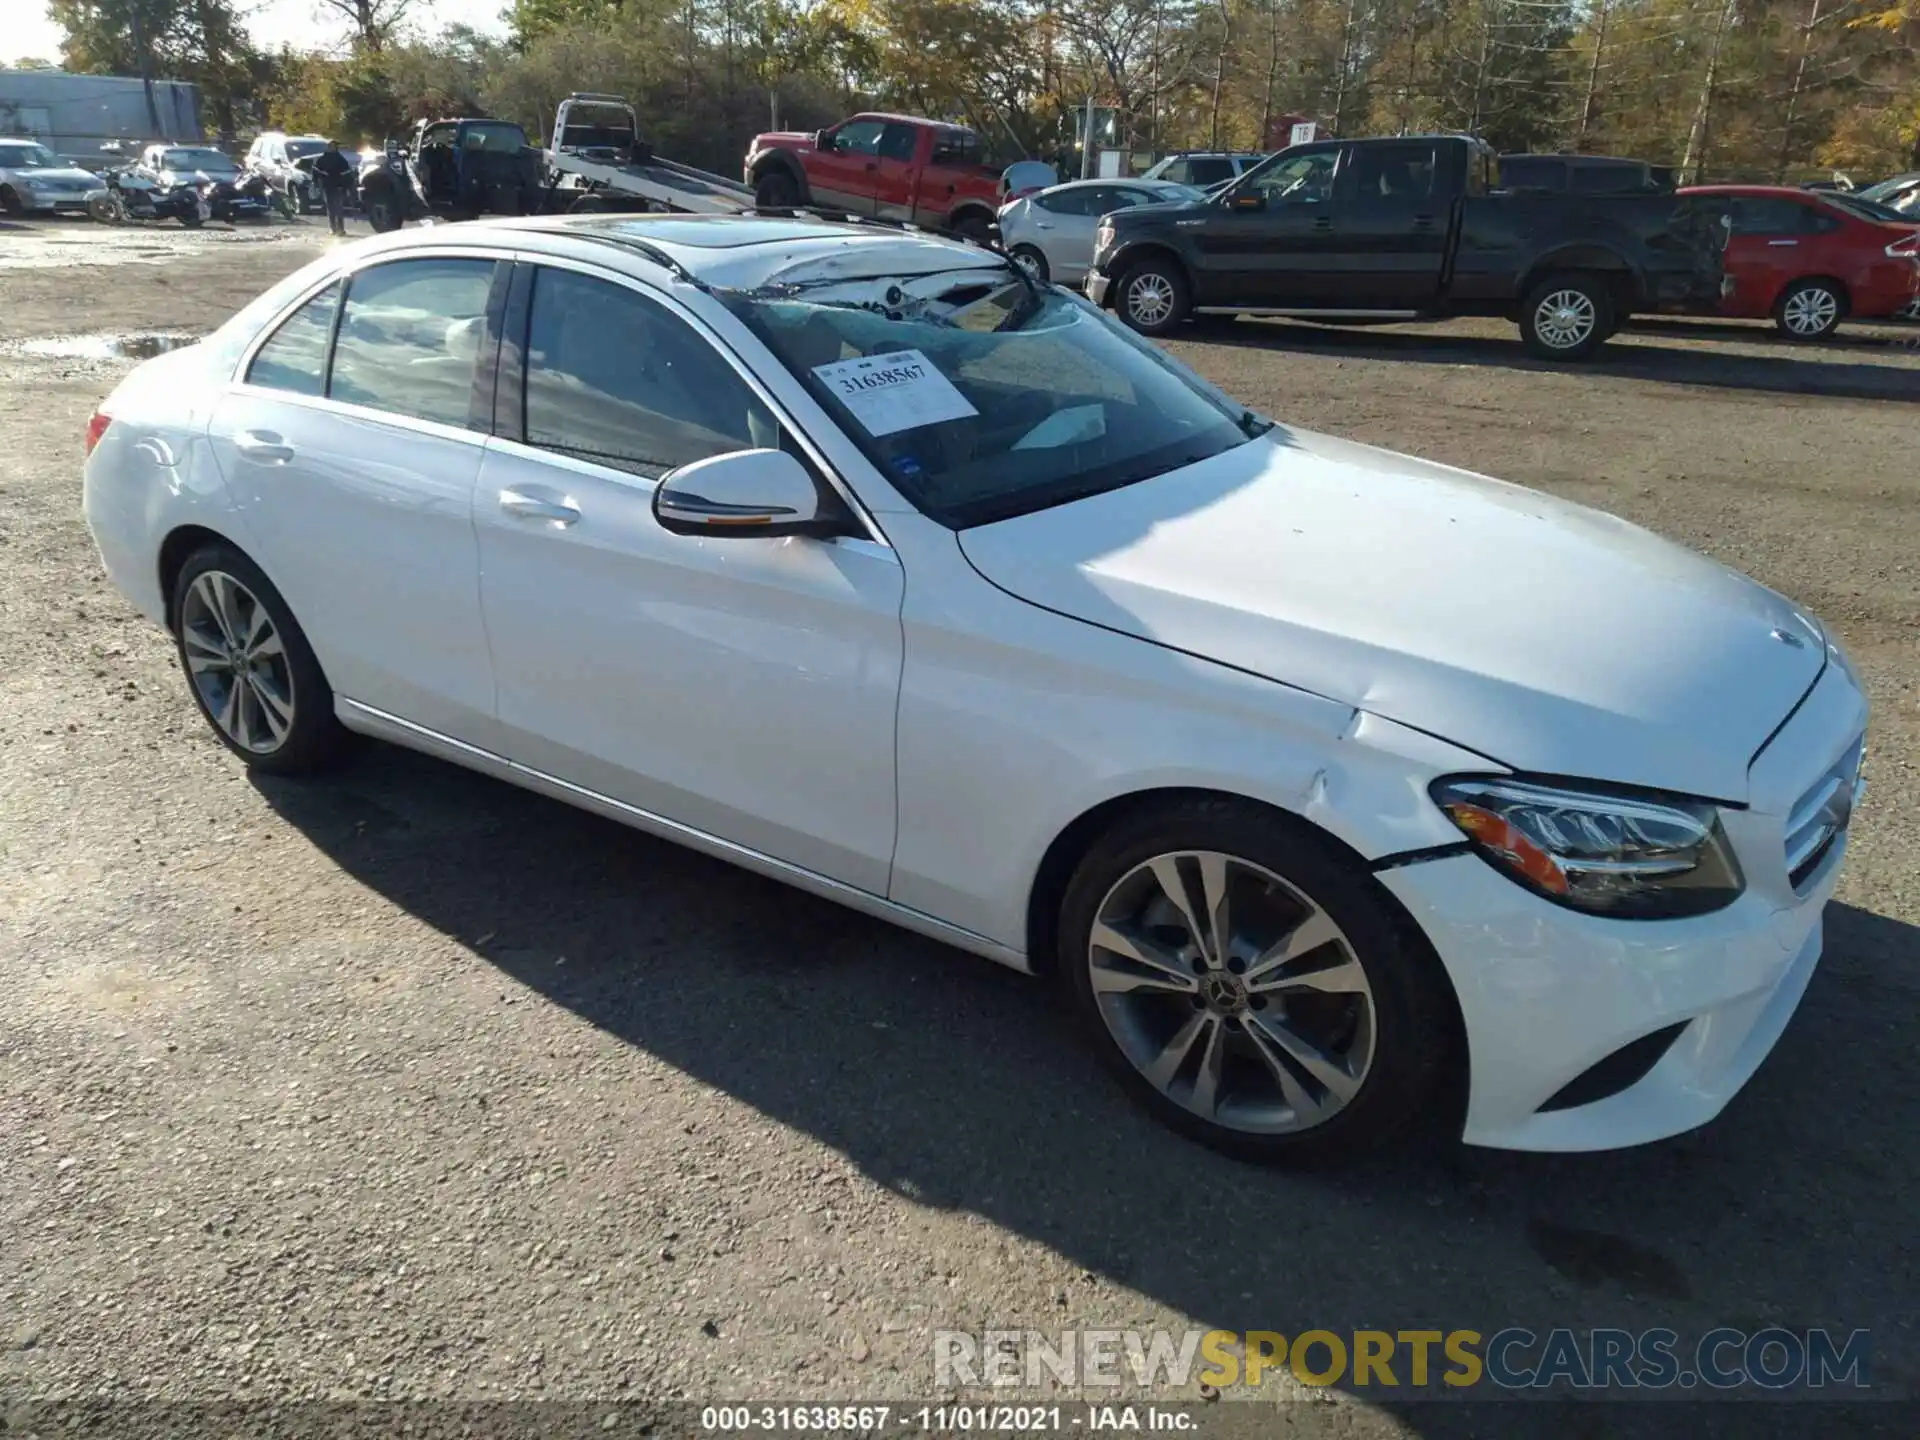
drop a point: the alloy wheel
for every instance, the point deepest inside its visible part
(1565, 319)
(1232, 992)
(237, 661)
(1150, 298)
(1811, 311)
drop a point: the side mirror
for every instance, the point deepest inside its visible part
(745, 494)
(823, 139)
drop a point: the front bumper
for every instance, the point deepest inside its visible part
(65, 201)
(1547, 993)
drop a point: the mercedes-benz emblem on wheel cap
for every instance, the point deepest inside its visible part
(1787, 637)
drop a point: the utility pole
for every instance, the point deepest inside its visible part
(144, 53)
(1793, 95)
(1700, 132)
(1593, 73)
(1086, 145)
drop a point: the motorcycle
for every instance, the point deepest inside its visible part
(129, 196)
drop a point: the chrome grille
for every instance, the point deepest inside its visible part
(1821, 815)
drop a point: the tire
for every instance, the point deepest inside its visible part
(1141, 286)
(383, 214)
(281, 719)
(1567, 317)
(973, 226)
(1810, 310)
(192, 219)
(1382, 1033)
(107, 209)
(11, 203)
(1036, 262)
(775, 190)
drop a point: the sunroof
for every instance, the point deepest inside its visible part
(710, 232)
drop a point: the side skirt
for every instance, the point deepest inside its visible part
(382, 726)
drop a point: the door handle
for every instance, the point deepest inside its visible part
(1042, 225)
(532, 507)
(1323, 222)
(1783, 242)
(264, 446)
(1423, 222)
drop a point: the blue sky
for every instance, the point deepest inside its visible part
(300, 23)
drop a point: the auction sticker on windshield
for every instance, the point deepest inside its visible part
(897, 391)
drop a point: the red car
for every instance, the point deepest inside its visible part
(1811, 259)
(894, 166)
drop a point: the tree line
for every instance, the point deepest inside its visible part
(1724, 89)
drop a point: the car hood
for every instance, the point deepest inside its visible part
(59, 174)
(1541, 634)
(787, 139)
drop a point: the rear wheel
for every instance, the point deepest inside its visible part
(383, 213)
(1153, 296)
(1567, 317)
(1248, 984)
(1809, 310)
(1029, 258)
(249, 665)
(776, 190)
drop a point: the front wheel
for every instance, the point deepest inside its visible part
(1153, 297)
(1249, 986)
(1809, 310)
(1567, 317)
(249, 666)
(107, 209)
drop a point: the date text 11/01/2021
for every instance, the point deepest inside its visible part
(954, 1419)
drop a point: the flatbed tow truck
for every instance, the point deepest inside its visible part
(462, 169)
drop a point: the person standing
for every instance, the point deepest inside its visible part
(335, 173)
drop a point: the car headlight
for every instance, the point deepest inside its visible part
(1627, 856)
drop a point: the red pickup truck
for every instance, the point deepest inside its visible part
(895, 167)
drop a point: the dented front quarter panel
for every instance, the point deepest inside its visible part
(1069, 715)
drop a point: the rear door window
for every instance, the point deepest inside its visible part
(1393, 172)
(1075, 201)
(410, 336)
(1767, 215)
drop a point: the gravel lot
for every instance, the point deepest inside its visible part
(410, 1084)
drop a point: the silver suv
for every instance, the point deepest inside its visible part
(285, 161)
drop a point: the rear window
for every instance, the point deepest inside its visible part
(1205, 170)
(1527, 172)
(1609, 179)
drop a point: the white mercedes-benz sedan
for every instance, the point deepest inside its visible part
(1344, 794)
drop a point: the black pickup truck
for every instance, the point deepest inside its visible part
(1414, 227)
